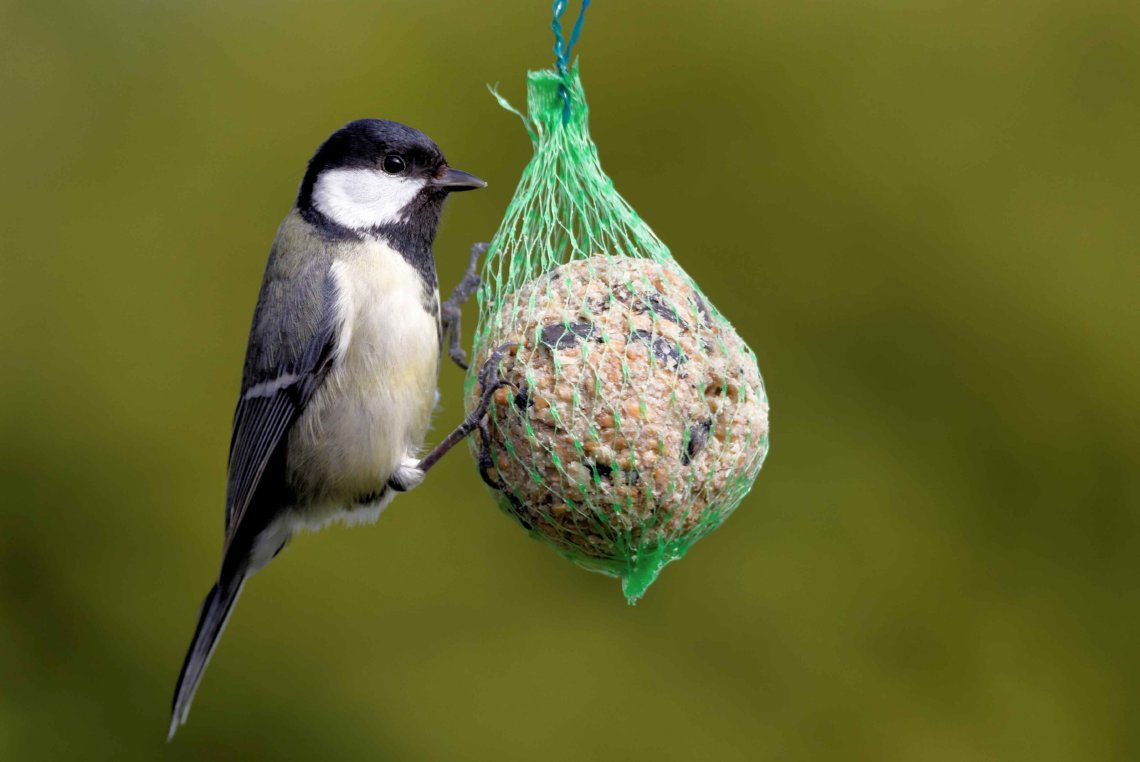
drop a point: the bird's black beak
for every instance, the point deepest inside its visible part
(457, 180)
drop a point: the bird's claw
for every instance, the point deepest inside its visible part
(450, 310)
(480, 416)
(486, 385)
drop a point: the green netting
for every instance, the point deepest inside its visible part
(635, 419)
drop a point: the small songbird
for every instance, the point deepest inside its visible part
(344, 352)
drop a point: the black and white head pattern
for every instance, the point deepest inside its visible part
(372, 174)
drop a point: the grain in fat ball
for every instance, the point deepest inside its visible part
(635, 417)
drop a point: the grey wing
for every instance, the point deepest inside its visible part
(262, 419)
(271, 402)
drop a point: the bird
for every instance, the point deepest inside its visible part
(340, 374)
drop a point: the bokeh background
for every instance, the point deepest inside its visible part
(922, 214)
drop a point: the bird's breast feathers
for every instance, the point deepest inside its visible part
(375, 406)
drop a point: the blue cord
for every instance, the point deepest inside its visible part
(562, 49)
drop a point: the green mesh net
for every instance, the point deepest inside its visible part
(635, 418)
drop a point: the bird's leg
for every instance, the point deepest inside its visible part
(449, 310)
(478, 416)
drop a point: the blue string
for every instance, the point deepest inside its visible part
(562, 49)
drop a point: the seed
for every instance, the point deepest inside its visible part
(502, 394)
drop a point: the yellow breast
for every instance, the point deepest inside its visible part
(375, 406)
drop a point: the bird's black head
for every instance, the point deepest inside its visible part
(378, 177)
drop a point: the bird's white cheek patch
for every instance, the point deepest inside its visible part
(363, 198)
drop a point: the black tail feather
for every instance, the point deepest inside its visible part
(211, 621)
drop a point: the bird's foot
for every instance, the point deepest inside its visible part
(449, 311)
(489, 382)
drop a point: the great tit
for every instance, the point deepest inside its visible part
(340, 374)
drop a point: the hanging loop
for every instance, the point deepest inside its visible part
(563, 47)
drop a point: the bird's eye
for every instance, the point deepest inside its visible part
(393, 164)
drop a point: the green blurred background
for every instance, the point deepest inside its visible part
(922, 215)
